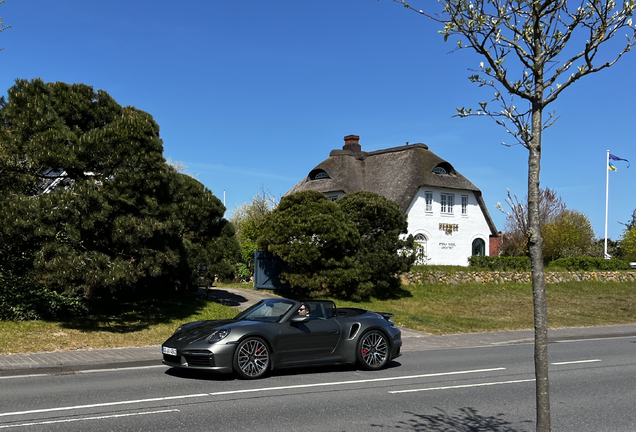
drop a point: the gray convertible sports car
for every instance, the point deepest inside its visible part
(277, 333)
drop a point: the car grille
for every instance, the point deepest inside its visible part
(199, 358)
(171, 358)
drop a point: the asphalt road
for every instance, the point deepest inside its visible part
(593, 388)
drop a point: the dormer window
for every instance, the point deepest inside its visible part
(439, 170)
(318, 175)
(444, 168)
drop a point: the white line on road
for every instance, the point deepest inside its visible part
(199, 395)
(594, 339)
(120, 369)
(22, 376)
(87, 418)
(102, 405)
(84, 371)
(461, 386)
(355, 382)
(577, 362)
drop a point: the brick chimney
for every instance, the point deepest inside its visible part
(352, 143)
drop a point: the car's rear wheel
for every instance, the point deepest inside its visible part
(251, 358)
(373, 350)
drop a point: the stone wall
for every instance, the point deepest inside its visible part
(454, 278)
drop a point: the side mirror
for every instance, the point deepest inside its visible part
(299, 319)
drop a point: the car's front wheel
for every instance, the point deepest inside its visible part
(373, 350)
(251, 358)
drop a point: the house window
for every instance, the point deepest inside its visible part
(333, 197)
(439, 170)
(444, 168)
(447, 201)
(318, 174)
(464, 205)
(428, 196)
(479, 247)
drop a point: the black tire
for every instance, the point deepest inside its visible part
(373, 350)
(251, 358)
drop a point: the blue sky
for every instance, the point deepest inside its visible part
(254, 94)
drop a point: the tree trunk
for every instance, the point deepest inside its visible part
(535, 243)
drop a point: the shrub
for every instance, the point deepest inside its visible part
(23, 300)
(349, 249)
(589, 263)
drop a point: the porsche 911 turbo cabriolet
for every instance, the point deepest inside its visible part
(278, 333)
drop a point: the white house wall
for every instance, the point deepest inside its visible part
(449, 236)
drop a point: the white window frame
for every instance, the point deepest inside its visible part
(464, 205)
(428, 199)
(447, 202)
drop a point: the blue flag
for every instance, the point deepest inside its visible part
(616, 158)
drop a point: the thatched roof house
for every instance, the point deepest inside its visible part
(403, 174)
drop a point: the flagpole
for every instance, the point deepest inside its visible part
(606, 200)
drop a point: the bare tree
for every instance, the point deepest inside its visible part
(515, 238)
(532, 52)
(3, 27)
(631, 224)
(262, 203)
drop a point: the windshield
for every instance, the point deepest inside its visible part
(268, 310)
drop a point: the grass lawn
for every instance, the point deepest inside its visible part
(467, 308)
(144, 324)
(436, 309)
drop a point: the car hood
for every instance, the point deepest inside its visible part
(197, 331)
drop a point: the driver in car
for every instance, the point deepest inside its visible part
(303, 310)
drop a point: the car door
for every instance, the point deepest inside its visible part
(315, 339)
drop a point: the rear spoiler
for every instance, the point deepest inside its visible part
(387, 316)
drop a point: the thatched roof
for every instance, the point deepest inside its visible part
(396, 173)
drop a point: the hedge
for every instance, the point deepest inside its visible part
(589, 263)
(500, 263)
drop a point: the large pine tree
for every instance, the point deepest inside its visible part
(86, 196)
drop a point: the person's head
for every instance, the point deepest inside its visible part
(303, 309)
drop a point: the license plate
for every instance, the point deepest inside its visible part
(169, 351)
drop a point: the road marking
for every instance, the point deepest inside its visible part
(199, 395)
(577, 362)
(161, 399)
(23, 376)
(354, 382)
(83, 372)
(120, 369)
(462, 386)
(87, 418)
(592, 339)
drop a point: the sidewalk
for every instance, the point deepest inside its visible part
(81, 360)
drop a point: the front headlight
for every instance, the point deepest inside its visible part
(218, 335)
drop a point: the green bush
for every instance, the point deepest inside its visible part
(349, 249)
(589, 263)
(450, 269)
(500, 263)
(23, 300)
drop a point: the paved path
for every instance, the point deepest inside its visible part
(79, 360)
(239, 298)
